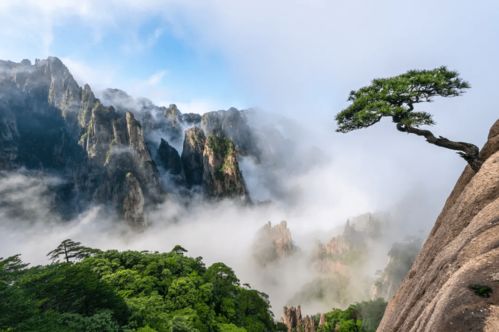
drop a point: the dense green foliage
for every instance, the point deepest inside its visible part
(129, 291)
(395, 97)
(359, 317)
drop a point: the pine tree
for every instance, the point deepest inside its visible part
(10, 267)
(69, 250)
(395, 97)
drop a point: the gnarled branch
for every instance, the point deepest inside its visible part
(468, 151)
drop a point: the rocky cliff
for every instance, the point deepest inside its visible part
(221, 174)
(210, 145)
(293, 320)
(192, 156)
(115, 151)
(401, 256)
(454, 283)
(341, 251)
(169, 159)
(52, 124)
(273, 243)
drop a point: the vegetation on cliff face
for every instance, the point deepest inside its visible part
(359, 317)
(222, 177)
(402, 255)
(129, 291)
(223, 149)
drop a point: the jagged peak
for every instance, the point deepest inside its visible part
(54, 66)
(173, 107)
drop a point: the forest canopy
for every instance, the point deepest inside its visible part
(107, 291)
(129, 291)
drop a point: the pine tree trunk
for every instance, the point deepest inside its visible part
(66, 253)
(468, 151)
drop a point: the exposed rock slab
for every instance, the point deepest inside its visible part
(104, 147)
(273, 243)
(49, 123)
(461, 255)
(169, 158)
(222, 177)
(192, 156)
(294, 321)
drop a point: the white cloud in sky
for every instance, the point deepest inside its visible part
(290, 55)
(156, 78)
(301, 58)
(137, 43)
(199, 106)
(85, 73)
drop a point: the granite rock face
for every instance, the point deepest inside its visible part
(273, 243)
(210, 163)
(293, 320)
(210, 145)
(8, 138)
(169, 158)
(222, 177)
(341, 251)
(233, 124)
(107, 150)
(133, 201)
(59, 126)
(454, 283)
(192, 156)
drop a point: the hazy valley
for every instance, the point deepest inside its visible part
(120, 172)
(249, 166)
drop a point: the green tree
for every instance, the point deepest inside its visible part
(127, 291)
(181, 324)
(396, 97)
(15, 305)
(100, 322)
(254, 311)
(10, 268)
(230, 328)
(360, 317)
(225, 289)
(69, 250)
(71, 288)
(371, 313)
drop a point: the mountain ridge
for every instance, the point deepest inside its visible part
(107, 151)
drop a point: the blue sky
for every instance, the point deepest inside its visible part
(276, 55)
(298, 58)
(155, 55)
(142, 54)
(294, 57)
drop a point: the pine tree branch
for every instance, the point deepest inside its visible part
(468, 151)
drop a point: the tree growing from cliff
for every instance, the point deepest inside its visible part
(395, 97)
